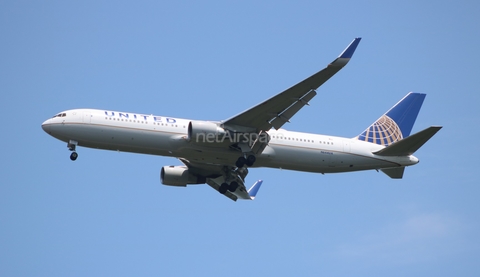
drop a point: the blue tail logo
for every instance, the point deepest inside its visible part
(395, 124)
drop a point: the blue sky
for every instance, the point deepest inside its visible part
(107, 213)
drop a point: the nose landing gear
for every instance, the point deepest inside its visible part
(72, 145)
(73, 156)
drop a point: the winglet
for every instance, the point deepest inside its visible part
(345, 56)
(254, 189)
(348, 52)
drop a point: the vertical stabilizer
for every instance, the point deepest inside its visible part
(395, 124)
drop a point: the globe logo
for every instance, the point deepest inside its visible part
(384, 132)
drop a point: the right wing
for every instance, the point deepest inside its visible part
(273, 112)
(278, 110)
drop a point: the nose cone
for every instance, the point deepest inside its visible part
(46, 126)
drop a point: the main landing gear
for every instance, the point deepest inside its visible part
(72, 145)
(242, 161)
(224, 187)
(237, 174)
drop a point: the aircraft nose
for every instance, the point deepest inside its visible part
(46, 126)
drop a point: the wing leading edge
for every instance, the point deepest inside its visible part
(280, 108)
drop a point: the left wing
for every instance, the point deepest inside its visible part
(217, 175)
(278, 110)
(240, 192)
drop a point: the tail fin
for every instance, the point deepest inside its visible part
(395, 124)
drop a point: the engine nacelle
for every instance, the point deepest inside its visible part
(205, 132)
(179, 176)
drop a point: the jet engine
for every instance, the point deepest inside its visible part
(205, 132)
(179, 176)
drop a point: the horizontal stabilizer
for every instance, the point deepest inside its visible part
(394, 173)
(409, 145)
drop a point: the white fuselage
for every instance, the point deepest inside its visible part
(166, 136)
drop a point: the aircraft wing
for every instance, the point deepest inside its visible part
(278, 110)
(240, 193)
(214, 178)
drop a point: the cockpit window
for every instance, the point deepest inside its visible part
(60, 115)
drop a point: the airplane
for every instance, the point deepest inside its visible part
(219, 153)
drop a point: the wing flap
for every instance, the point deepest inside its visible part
(289, 112)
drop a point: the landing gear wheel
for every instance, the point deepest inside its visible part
(250, 160)
(233, 186)
(223, 188)
(73, 156)
(241, 162)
